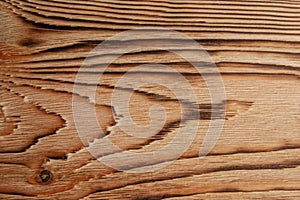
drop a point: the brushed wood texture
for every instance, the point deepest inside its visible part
(256, 47)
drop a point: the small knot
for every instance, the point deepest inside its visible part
(45, 176)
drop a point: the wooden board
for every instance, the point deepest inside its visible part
(255, 45)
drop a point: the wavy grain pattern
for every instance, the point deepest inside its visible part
(255, 45)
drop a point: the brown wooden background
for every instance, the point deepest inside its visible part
(254, 43)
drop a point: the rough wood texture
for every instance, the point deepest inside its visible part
(254, 43)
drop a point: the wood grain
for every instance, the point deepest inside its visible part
(255, 45)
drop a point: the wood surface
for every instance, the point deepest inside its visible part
(256, 47)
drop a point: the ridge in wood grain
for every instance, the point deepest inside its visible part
(255, 45)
